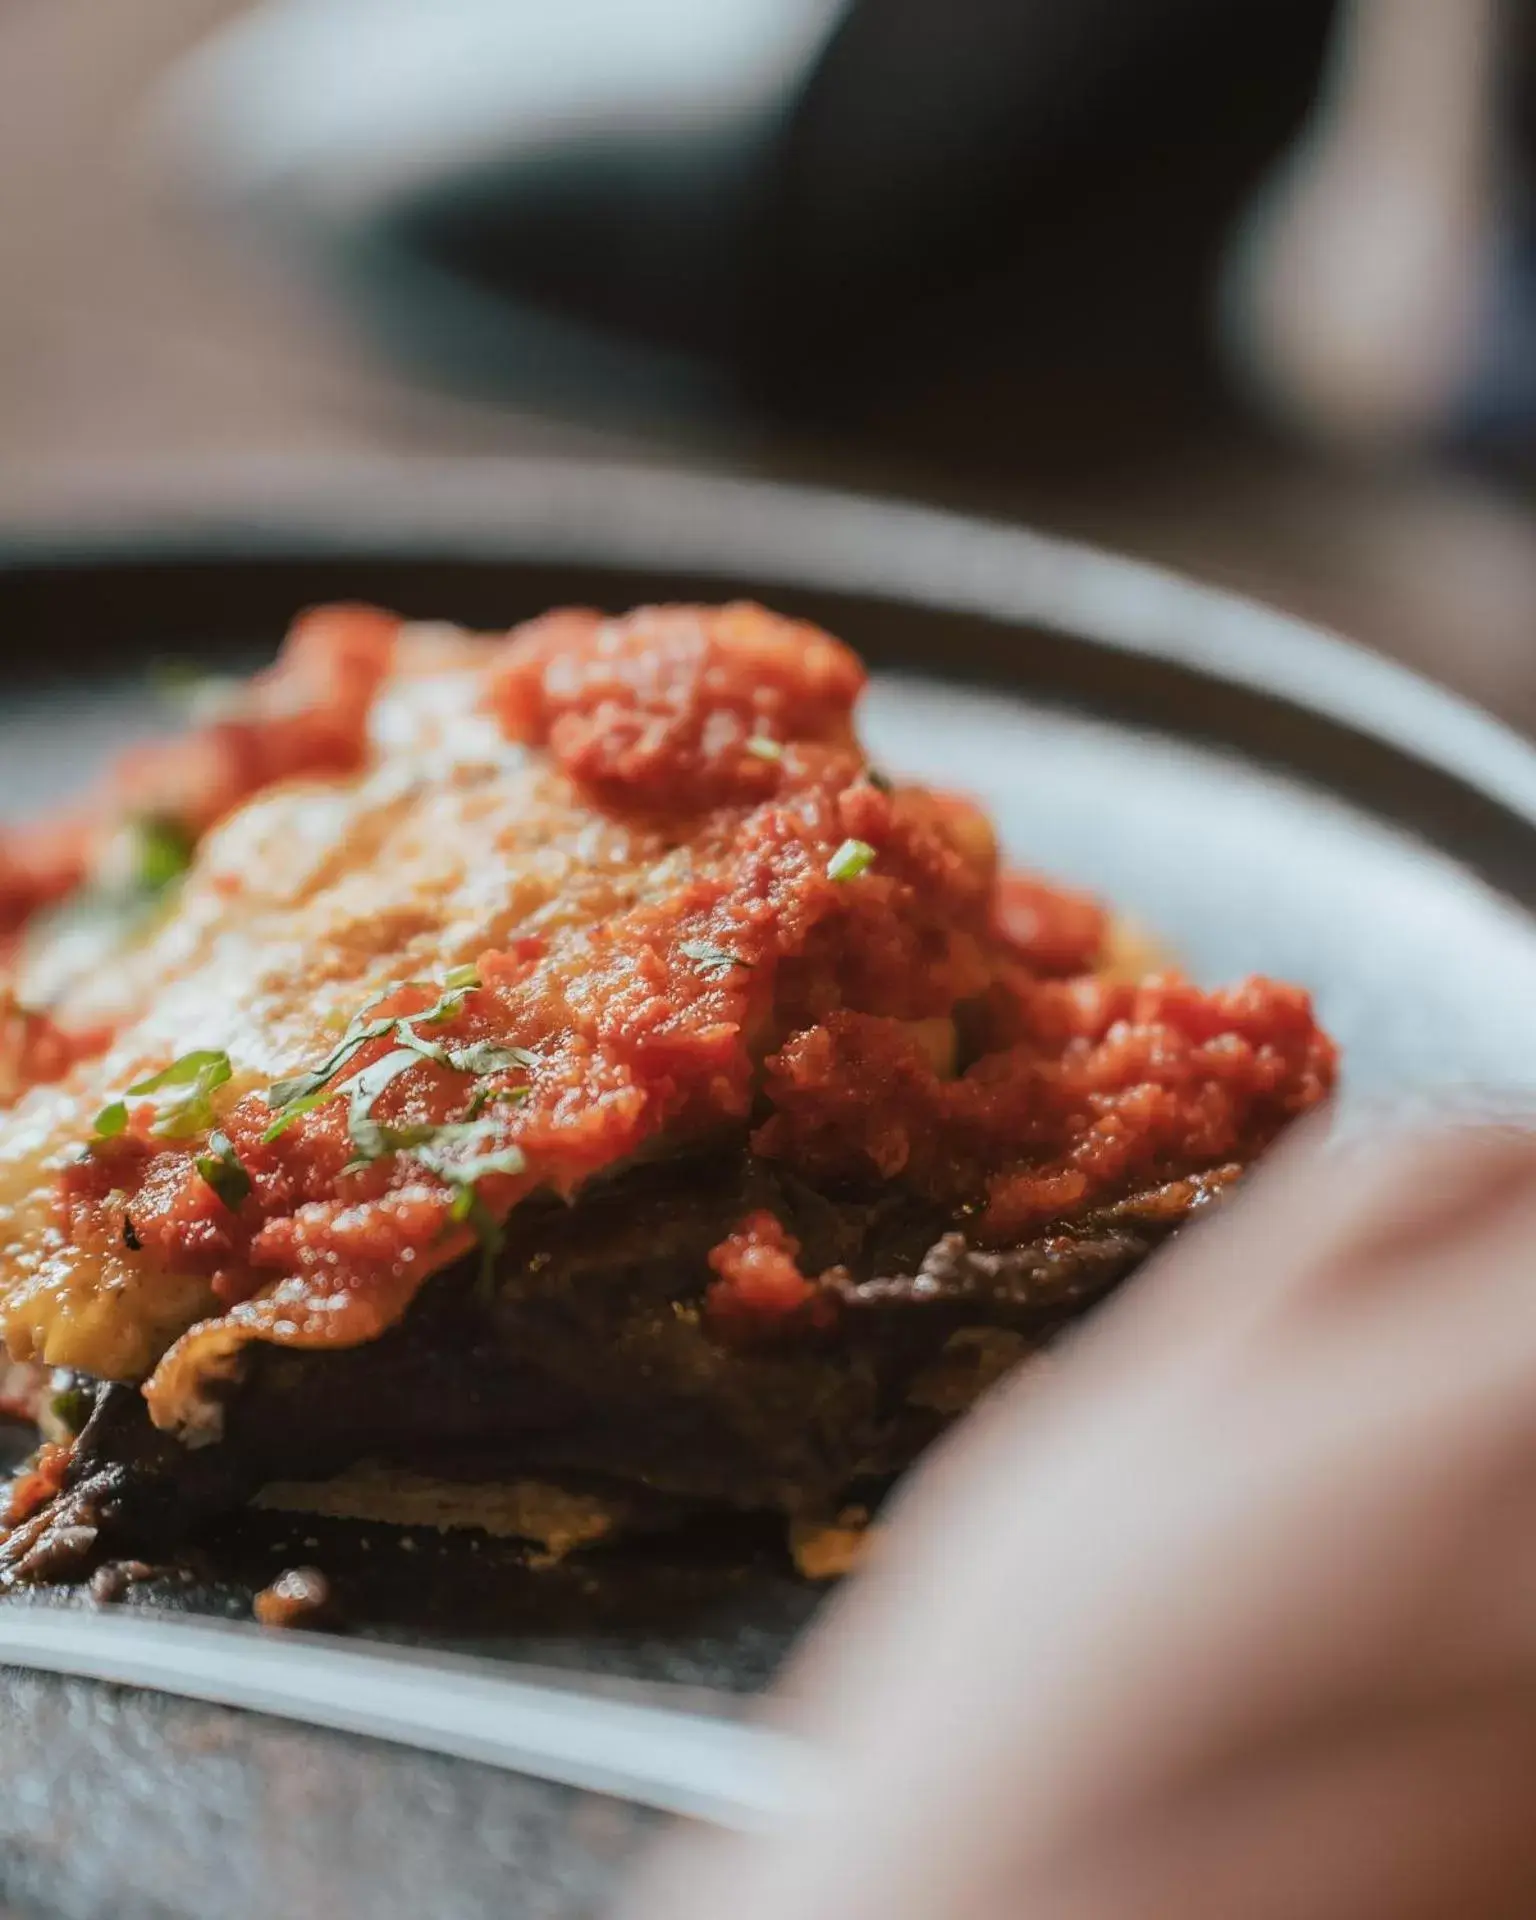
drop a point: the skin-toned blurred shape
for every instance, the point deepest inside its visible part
(1355, 298)
(1230, 1612)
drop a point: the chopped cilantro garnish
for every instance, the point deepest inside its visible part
(461, 1153)
(133, 880)
(182, 1093)
(373, 1138)
(181, 1096)
(292, 1098)
(485, 1056)
(457, 986)
(470, 1210)
(162, 852)
(365, 1087)
(852, 858)
(72, 1406)
(283, 1094)
(709, 961)
(484, 1097)
(432, 1050)
(295, 1110)
(463, 1174)
(222, 1168)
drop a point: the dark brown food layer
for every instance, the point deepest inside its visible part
(590, 1359)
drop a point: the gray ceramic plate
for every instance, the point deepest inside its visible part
(1265, 798)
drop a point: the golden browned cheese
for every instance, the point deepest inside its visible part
(300, 905)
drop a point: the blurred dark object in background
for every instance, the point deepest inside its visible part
(963, 222)
(949, 227)
(1002, 219)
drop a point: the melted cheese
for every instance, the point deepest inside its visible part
(299, 906)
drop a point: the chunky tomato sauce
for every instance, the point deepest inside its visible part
(308, 714)
(35, 1049)
(668, 710)
(759, 1284)
(36, 1485)
(833, 966)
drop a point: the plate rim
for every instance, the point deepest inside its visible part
(571, 510)
(613, 514)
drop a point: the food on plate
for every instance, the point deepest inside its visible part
(554, 1082)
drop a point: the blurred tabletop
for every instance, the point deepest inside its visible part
(129, 336)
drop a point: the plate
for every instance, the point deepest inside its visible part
(1265, 797)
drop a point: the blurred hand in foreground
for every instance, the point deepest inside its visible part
(1228, 1610)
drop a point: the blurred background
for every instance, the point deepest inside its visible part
(1247, 288)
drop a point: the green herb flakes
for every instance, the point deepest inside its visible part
(711, 962)
(295, 1110)
(461, 1173)
(433, 1050)
(852, 858)
(162, 853)
(290, 1099)
(764, 748)
(451, 1155)
(485, 1097)
(457, 986)
(72, 1406)
(372, 1138)
(470, 1210)
(283, 1094)
(223, 1170)
(181, 1096)
(485, 1056)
